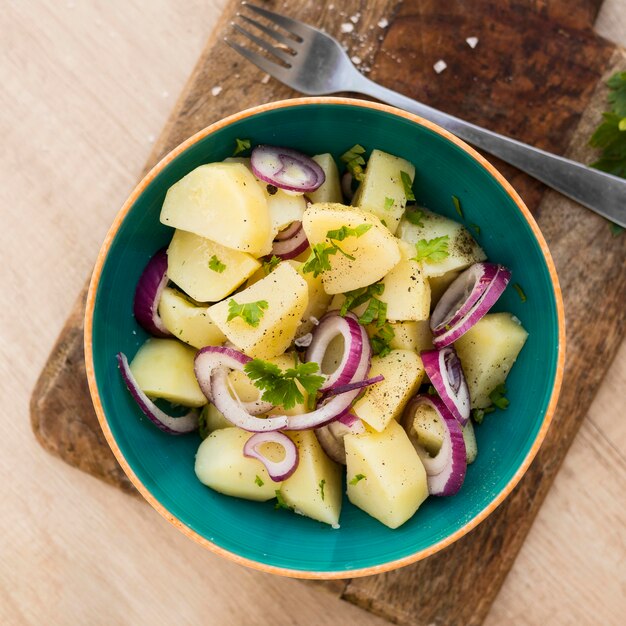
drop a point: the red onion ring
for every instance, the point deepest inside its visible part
(331, 436)
(329, 410)
(476, 312)
(358, 384)
(446, 471)
(293, 246)
(151, 283)
(346, 186)
(331, 326)
(278, 470)
(444, 370)
(288, 232)
(461, 295)
(286, 168)
(168, 424)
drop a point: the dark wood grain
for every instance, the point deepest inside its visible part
(536, 74)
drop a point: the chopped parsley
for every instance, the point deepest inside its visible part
(259, 481)
(353, 158)
(241, 145)
(479, 414)
(270, 265)
(381, 341)
(498, 398)
(280, 501)
(388, 203)
(376, 309)
(341, 233)
(432, 250)
(415, 216)
(408, 186)
(322, 483)
(281, 387)
(520, 291)
(457, 206)
(318, 260)
(357, 478)
(250, 312)
(476, 228)
(216, 265)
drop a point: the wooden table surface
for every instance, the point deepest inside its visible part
(86, 87)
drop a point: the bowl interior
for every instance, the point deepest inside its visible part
(277, 538)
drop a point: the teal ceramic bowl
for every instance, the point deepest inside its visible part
(255, 534)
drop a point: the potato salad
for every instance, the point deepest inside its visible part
(322, 332)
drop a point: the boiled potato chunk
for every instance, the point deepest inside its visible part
(221, 465)
(188, 322)
(318, 299)
(286, 294)
(412, 336)
(314, 489)
(375, 252)
(213, 419)
(163, 368)
(382, 180)
(222, 202)
(439, 284)
(386, 477)
(407, 292)
(462, 247)
(487, 352)
(204, 269)
(330, 189)
(381, 403)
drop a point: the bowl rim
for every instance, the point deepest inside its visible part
(160, 508)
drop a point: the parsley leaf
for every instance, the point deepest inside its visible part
(617, 97)
(381, 341)
(357, 478)
(432, 250)
(241, 145)
(376, 309)
(270, 265)
(318, 260)
(415, 216)
(280, 387)
(251, 312)
(280, 501)
(408, 188)
(216, 265)
(322, 483)
(259, 481)
(388, 203)
(353, 158)
(341, 233)
(479, 414)
(520, 291)
(498, 398)
(457, 206)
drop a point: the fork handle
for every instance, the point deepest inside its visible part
(601, 192)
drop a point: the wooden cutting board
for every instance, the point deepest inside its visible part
(536, 74)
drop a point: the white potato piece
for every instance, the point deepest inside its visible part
(487, 352)
(213, 419)
(187, 321)
(286, 294)
(439, 284)
(221, 465)
(382, 180)
(222, 202)
(314, 489)
(383, 402)
(375, 253)
(412, 336)
(318, 299)
(386, 478)
(330, 189)
(462, 247)
(471, 447)
(190, 259)
(163, 368)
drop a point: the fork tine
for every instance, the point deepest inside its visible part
(279, 54)
(272, 32)
(275, 70)
(292, 26)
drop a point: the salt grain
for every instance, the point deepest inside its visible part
(472, 42)
(216, 91)
(347, 27)
(440, 66)
(356, 60)
(383, 23)
(355, 18)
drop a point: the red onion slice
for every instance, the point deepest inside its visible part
(358, 384)
(287, 233)
(331, 326)
(168, 424)
(329, 410)
(331, 436)
(286, 168)
(151, 283)
(293, 246)
(278, 470)
(461, 295)
(444, 370)
(446, 471)
(476, 312)
(346, 186)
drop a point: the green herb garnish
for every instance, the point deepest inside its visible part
(388, 203)
(415, 215)
(250, 312)
(322, 483)
(353, 158)
(318, 260)
(408, 186)
(281, 387)
(520, 291)
(432, 391)
(270, 265)
(376, 309)
(341, 233)
(259, 481)
(498, 398)
(216, 265)
(457, 206)
(381, 341)
(479, 414)
(241, 145)
(432, 250)
(280, 501)
(357, 478)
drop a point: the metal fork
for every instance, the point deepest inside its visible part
(310, 61)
